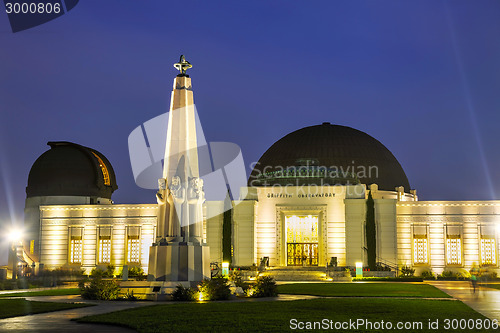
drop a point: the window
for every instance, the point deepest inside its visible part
(134, 250)
(104, 245)
(133, 245)
(488, 251)
(76, 245)
(420, 251)
(104, 251)
(420, 245)
(488, 255)
(453, 245)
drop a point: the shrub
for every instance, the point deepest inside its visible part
(265, 287)
(390, 279)
(214, 289)
(489, 275)
(99, 289)
(182, 293)
(135, 272)
(407, 271)
(237, 279)
(448, 274)
(428, 275)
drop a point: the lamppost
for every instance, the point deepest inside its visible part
(15, 239)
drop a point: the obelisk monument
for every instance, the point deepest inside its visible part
(179, 253)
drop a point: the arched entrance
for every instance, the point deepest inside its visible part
(301, 240)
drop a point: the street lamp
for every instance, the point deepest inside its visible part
(14, 236)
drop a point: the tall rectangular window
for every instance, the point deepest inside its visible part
(488, 255)
(420, 245)
(133, 245)
(453, 245)
(104, 245)
(75, 245)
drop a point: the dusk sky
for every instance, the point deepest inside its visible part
(422, 77)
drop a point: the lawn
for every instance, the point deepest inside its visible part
(22, 307)
(277, 316)
(51, 292)
(385, 289)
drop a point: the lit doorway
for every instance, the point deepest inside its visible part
(301, 240)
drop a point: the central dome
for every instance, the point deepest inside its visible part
(328, 155)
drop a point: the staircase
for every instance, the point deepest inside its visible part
(293, 273)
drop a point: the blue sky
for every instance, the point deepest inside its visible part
(420, 76)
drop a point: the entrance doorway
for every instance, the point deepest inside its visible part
(302, 240)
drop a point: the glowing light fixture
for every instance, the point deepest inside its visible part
(359, 269)
(15, 235)
(225, 269)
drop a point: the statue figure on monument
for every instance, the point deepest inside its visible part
(164, 208)
(176, 214)
(195, 199)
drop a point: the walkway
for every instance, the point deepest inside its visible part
(485, 301)
(60, 321)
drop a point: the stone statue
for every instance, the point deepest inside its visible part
(163, 209)
(176, 214)
(195, 199)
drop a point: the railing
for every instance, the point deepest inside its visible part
(392, 265)
(215, 269)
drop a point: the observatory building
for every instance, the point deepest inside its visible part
(322, 194)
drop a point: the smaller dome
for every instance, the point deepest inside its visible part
(69, 169)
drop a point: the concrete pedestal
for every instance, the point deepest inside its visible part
(179, 262)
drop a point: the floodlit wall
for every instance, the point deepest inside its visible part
(55, 233)
(244, 233)
(471, 222)
(213, 229)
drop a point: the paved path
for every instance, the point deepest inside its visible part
(485, 300)
(60, 321)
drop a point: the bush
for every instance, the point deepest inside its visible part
(134, 272)
(451, 275)
(182, 293)
(407, 271)
(237, 279)
(265, 287)
(428, 275)
(214, 289)
(99, 289)
(448, 274)
(390, 279)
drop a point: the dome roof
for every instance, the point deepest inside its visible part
(328, 155)
(68, 169)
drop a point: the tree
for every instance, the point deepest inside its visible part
(371, 233)
(226, 230)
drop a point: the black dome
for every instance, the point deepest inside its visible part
(328, 155)
(68, 169)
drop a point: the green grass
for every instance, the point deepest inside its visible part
(51, 292)
(22, 307)
(362, 289)
(275, 316)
